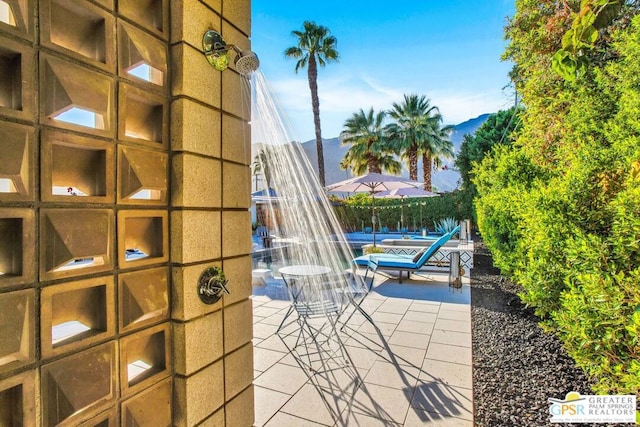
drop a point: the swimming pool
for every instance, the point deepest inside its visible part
(358, 239)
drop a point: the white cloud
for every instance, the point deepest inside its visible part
(461, 106)
(343, 95)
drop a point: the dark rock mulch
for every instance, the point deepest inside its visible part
(517, 367)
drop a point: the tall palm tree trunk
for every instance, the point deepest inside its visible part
(315, 104)
(413, 164)
(426, 171)
(374, 165)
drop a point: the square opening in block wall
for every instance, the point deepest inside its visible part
(11, 246)
(151, 407)
(143, 238)
(17, 247)
(78, 383)
(17, 158)
(145, 357)
(80, 117)
(141, 55)
(7, 16)
(143, 298)
(143, 119)
(142, 175)
(10, 79)
(72, 95)
(11, 410)
(18, 333)
(78, 314)
(75, 242)
(74, 27)
(17, 400)
(147, 73)
(146, 12)
(17, 16)
(78, 171)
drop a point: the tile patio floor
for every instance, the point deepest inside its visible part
(412, 369)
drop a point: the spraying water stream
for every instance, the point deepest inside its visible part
(307, 228)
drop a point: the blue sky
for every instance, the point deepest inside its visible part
(448, 51)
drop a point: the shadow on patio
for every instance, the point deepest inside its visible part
(411, 367)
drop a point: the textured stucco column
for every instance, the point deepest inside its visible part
(210, 221)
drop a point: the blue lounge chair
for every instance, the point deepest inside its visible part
(405, 262)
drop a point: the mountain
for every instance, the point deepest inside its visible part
(443, 180)
(468, 127)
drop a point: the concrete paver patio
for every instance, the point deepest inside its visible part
(412, 368)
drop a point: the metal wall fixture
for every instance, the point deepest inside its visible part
(217, 50)
(212, 284)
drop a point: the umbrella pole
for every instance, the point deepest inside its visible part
(373, 217)
(402, 215)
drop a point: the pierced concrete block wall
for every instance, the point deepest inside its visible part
(84, 213)
(144, 358)
(124, 174)
(142, 176)
(75, 97)
(151, 407)
(21, 19)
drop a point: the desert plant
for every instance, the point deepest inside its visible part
(445, 225)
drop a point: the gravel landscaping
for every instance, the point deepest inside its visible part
(516, 366)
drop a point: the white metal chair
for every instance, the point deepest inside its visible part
(317, 302)
(361, 287)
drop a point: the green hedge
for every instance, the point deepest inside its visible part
(354, 212)
(567, 228)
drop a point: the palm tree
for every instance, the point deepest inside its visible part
(417, 130)
(370, 150)
(316, 46)
(435, 148)
(410, 127)
(261, 166)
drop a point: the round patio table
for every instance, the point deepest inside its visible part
(305, 270)
(305, 273)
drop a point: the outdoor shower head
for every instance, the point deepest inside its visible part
(246, 62)
(217, 53)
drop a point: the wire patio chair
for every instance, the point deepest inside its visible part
(317, 302)
(361, 287)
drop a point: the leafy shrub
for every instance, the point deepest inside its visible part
(504, 180)
(546, 231)
(560, 209)
(372, 250)
(600, 316)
